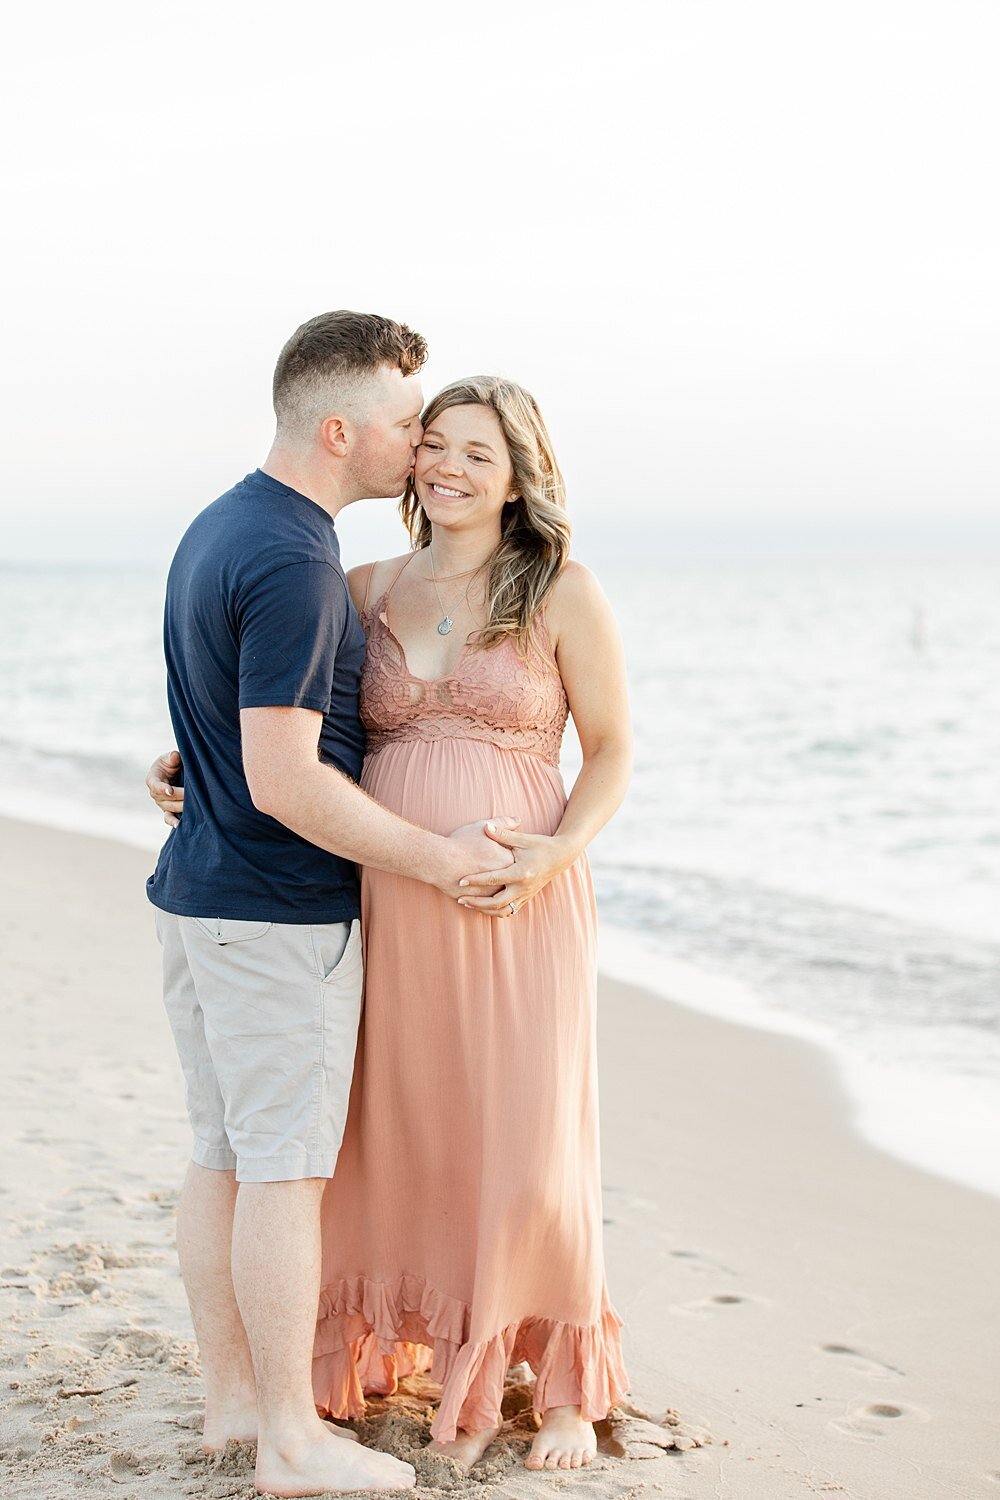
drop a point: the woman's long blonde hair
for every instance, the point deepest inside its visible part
(535, 530)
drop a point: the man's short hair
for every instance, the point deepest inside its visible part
(328, 362)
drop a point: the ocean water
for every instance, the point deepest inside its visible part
(812, 839)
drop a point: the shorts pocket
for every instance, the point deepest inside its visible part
(223, 930)
(330, 947)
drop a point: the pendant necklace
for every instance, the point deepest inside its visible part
(445, 625)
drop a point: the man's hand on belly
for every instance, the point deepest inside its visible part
(539, 859)
(478, 853)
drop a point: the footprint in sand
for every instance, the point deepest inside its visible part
(708, 1306)
(624, 1208)
(704, 1263)
(861, 1363)
(872, 1420)
(21, 1429)
(125, 1466)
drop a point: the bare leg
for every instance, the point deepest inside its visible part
(467, 1447)
(204, 1246)
(276, 1273)
(564, 1440)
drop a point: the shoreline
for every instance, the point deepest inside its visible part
(813, 1304)
(941, 1123)
(909, 1115)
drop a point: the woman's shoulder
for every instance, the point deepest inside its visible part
(574, 599)
(372, 578)
(576, 587)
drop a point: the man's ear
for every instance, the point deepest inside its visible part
(333, 435)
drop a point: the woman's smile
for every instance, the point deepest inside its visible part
(449, 494)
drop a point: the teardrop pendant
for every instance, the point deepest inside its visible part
(445, 625)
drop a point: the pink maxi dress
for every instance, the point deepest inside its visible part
(462, 1229)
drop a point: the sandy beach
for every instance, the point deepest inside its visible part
(804, 1315)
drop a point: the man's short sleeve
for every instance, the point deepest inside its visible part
(290, 624)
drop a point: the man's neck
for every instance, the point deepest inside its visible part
(300, 472)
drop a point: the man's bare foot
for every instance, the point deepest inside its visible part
(564, 1441)
(341, 1432)
(238, 1424)
(233, 1422)
(317, 1461)
(467, 1448)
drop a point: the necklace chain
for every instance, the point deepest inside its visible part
(450, 577)
(444, 626)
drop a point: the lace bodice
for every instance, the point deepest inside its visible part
(494, 695)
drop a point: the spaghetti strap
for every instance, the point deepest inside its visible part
(368, 584)
(406, 564)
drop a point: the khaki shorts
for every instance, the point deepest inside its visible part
(265, 1017)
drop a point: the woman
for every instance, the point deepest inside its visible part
(465, 1213)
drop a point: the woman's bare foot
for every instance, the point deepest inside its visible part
(467, 1448)
(316, 1461)
(564, 1441)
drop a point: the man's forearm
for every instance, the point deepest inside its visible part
(319, 804)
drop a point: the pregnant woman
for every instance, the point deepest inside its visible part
(462, 1228)
(465, 1212)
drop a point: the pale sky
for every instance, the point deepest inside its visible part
(744, 254)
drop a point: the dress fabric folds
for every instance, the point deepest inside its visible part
(462, 1229)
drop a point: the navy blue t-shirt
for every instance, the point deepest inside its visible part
(258, 615)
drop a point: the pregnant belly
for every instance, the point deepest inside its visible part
(441, 784)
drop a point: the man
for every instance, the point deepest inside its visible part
(256, 891)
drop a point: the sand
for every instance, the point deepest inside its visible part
(804, 1315)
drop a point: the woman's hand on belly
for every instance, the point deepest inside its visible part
(482, 854)
(538, 859)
